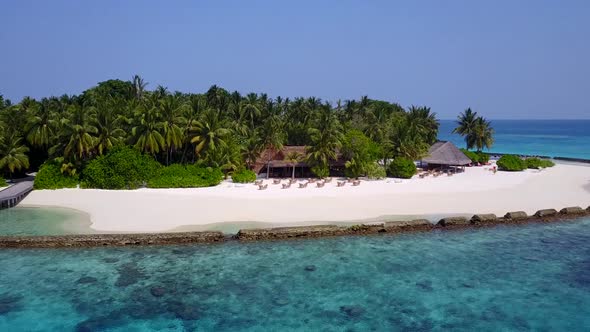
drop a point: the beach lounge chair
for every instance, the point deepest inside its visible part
(311, 180)
(356, 183)
(276, 181)
(303, 185)
(328, 180)
(258, 182)
(286, 185)
(340, 183)
(321, 184)
(350, 180)
(291, 181)
(262, 186)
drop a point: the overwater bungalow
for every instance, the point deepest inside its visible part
(281, 167)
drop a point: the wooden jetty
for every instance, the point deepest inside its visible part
(11, 196)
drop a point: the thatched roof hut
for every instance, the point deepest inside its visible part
(446, 153)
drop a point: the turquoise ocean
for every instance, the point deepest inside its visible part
(553, 138)
(505, 278)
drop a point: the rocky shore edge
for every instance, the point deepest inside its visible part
(285, 233)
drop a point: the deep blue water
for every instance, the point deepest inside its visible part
(554, 138)
(534, 277)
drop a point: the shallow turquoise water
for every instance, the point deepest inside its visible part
(533, 277)
(554, 138)
(43, 221)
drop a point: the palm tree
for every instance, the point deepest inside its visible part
(13, 155)
(173, 121)
(466, 126)
(251, 108)
(40, 125)
(107, 124)
(425, 121)
(272, 133)
(483, 134)
(252, 145)
(209, 133)
(147, 131)
(405, 139)
(78, 133)
(138, 87)
(326, 137)
(293, 158)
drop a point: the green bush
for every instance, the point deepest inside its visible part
(358, 150)
(121, 168)
(185, 176)
(476, 157)
(511, 163)
(2, 182)
(536, 163)
(402, 168)
(243, 176)
(51, 177)
(376, 171)
(471, 155)
(321, 171)
(482, 157)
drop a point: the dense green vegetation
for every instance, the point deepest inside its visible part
(536, 163)
(185, 176)
(50, 176)
(121, 168)
(218, 128)
(359, 151)
(477, 156)
(2, 182)
(243, 176)
(376, 171)
(402, 168)
(511, 163)
(478, 131)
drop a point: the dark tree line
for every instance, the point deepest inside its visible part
(218, 128)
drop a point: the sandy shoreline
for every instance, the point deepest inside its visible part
(475, 191)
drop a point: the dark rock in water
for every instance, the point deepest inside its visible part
(572, 210)
(352, 311)
(110, 260)
(98, 323)
(9, 303)
(157, 291)
(280, 301)
(516, 215)
(310, 268)
(234, 324)
(143, 310)
(545, 213)
(129, 274)
(467, 285)
(187, 312)
(86, 280)
(483, 218)
(425, 285)
(453, 221)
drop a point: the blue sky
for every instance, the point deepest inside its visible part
(506, 59)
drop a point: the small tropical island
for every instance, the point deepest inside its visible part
(140, 160)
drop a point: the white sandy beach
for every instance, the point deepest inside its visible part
(476, 191)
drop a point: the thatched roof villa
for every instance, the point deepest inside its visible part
(445, 153)
(280, 167)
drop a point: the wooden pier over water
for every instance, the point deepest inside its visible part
(11, 196)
